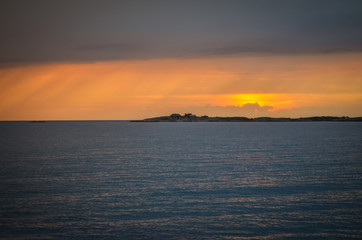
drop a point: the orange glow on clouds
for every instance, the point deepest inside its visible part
(243, 86)
(274, 100)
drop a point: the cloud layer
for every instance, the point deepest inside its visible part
(50, 31)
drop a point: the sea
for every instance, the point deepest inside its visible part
(180, 180)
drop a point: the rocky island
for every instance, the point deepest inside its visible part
(189, 117)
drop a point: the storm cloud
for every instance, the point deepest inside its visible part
(82, 31)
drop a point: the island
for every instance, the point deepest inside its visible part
(189, 117)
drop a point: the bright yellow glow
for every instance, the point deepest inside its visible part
(249, 86)
(278, 101)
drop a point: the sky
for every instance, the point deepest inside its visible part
(122, 60)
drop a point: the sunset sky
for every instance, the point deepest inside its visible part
(110, 60)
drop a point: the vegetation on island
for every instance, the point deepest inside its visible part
(188, 117)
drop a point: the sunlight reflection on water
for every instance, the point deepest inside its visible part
(120, 180)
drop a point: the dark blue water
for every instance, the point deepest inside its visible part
(121, 180)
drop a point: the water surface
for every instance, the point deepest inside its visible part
(122, 180)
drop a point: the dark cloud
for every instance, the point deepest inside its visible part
(255, 107)
(42, 30)
(278, 49)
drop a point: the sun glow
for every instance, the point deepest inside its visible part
(251, 86)
(277, 101)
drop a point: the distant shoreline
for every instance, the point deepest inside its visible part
(245, 119)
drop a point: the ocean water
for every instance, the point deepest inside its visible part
(123, 180)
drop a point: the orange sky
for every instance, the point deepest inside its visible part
(277, 86)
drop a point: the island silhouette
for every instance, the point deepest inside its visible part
(189, 117)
